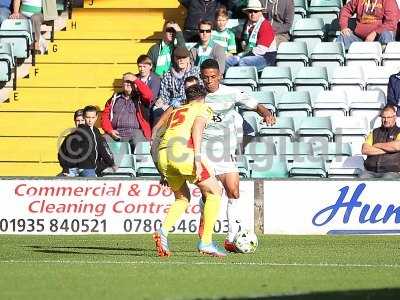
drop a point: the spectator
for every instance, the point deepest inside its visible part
(172, 92)
(153, 82)
(4, 10)
(64, 152)
(222, 35)
(123, 117)
(206, 48)
(393, 92)
(198, 10)
(382, 148)
(258, 40)
(375, 21)
(280, 13)
(82, 150)
(38, 11)
(160, 53)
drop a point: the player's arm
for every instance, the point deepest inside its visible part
(389, 147)
(369, 149)
(266, 114)
(197, 133)
(161, 122)
(251, 103)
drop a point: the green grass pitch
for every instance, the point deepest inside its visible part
(126, 267)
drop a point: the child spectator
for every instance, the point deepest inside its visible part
(85, 147)
(222, 35)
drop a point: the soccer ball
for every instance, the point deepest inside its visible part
(246, 241)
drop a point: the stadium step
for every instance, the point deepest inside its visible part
(94, 51)
(131, 4)
(55, 100)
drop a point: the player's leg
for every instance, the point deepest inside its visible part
(230, 182)
(212, 192)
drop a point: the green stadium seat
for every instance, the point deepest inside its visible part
(293, 55)
(284, 127)
(377, 77)
(294, 104)
(330, 103)
(7, 63)
(243, 165)
(332, 151)
(329, 55)
(291, 151)
(348, 78)
(300, 7)
(243, 77)
(350, 129)
(258, 154)
(312, 79)
(315, 127)
(366, 104)
(364, 54)
(309, 30)
(125, 168)
(276, 79)
(347, 167)
(266, 98)
(276, 168)
(327, 10)
(17, 32)
(143, 162)
(391, 56)
(308, 167)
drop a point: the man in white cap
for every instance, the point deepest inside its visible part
(257, 40)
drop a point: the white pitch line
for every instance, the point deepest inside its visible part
(272, 264)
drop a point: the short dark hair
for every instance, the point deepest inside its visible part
(90, 108)
(205, 22)
(78, 113)
(144, 59)
(209, 64)
(389, 107)
(193, 79)
(195, 92)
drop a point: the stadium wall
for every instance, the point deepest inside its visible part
(64, 206)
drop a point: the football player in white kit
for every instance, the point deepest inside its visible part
(221, 138)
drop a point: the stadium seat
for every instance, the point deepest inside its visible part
(292, 104)
(327, 10)
(243, 77)
(347, 78)
(310, 31)
(257, 153)
(276, 168)
(313, 128)
(292, 151)
(125, 168)
(243, 165)
(329, 55)
(7, 63)
(17, 32)
(308, 167)
(119, 149)
(331, 151)
(364, 54)
(391, 56)
(284, 127)
(347, 167)
(366, 104)
(377, 78)
(293, 55)
(265, 98)
(350, 129)
(330, 103)
(143, 162)
(276, 79)
(311, 79)
(300, 7)
(190, 45)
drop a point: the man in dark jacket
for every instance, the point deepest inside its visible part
(199, 10)
(382, 148)
(161, 53)
(393, 92)
(85, 147)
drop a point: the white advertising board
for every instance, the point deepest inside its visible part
(59, 207)
(331, 207)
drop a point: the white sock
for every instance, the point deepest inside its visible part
(234, 220)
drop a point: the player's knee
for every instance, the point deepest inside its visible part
(233, 193)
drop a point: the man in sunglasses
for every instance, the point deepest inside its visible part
(382, 148)
(161, 53)
(206, 48)
(257, 40)
(123, 118)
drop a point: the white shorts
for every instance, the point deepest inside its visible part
(224, 167)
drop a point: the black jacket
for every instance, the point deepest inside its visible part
(85, 148)
(200, 10)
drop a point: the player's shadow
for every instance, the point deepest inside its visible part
(90, 250)
(372, 294)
